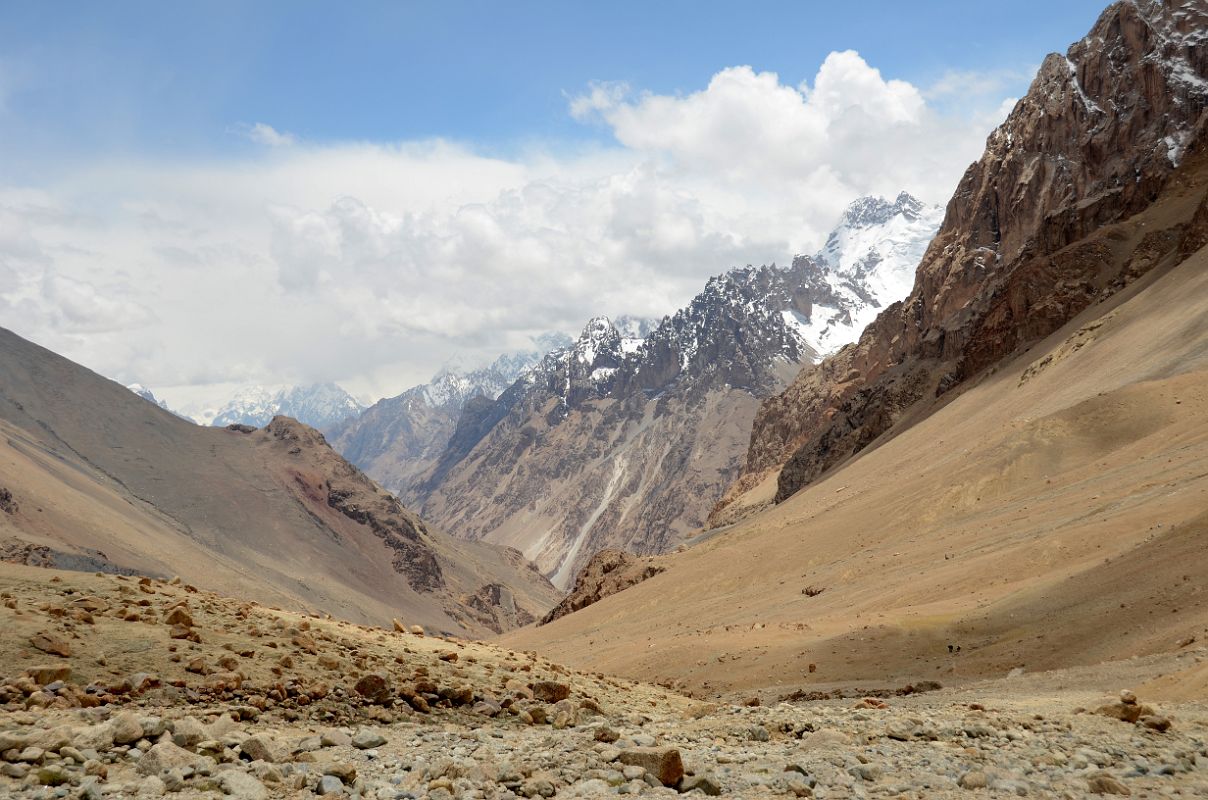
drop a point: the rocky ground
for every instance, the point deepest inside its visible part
(121, 687)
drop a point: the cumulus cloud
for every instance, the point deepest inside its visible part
(265, 134)
(372, 264)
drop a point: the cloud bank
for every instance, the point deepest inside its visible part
(371, 264)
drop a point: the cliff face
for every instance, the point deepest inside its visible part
(1095, 139)
(623, 442)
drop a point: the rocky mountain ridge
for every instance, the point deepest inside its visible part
(320, 405)
(616, 441)
(400, 437)
(1098, 135)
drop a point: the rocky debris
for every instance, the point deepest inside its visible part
(1128, 709)
(805, 750)
(7, 503)
(608, 572)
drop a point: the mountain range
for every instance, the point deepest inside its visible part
(100, 479)
(627, 436)
(964, 446)
(1008, 457)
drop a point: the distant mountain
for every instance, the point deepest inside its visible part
(102, 480)
(399, 437)
(869, 261)
(320, 405)
(625, 438)
(148, 395)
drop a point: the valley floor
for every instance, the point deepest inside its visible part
(121, 688)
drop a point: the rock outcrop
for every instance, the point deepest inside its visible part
(608, 572)
(1098, 135)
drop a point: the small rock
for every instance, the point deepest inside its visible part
(973, 780)
(242, 786)
(1106, 784)
(550, 691)
(259, 748)
(48, 642)
(664, 763)
(366, 738)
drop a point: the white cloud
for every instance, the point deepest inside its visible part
(262, 133)
(372, 264)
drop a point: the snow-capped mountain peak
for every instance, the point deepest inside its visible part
(868, 261)
(320, 405)
(148, 395)
(599, 345)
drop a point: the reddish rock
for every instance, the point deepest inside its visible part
(550, 691)
(51, 643)
(374, 688)
(179, 616)
(45, 674)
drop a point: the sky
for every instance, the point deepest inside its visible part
(199, 197)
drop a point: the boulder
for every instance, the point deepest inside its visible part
(51, 643)
(45, 674)
(165, 756)
(259, 748)
(374, 687)
(664, 763)
(550, 691)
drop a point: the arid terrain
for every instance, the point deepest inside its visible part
(965, 555)
(127, 687)
(99, 479)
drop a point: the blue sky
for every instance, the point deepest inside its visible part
(171, 77)
(203, 196)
